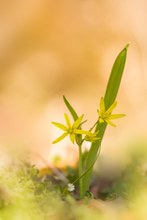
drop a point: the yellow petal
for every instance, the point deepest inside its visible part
(110, 123)
(102, 105)
(60, 138)
(77, 122)
(67, 120)
(101, 120)
(110, 109)
(72, 138)
(115, 116)
(61, 126)
(78, 131)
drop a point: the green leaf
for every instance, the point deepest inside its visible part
(115, 78)
(71, 109)
(109, 98)
(83, 174)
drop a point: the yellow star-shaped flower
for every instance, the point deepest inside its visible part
(105, 115)
(71, 130)
(92, 137)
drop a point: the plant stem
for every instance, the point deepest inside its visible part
(80, 172)
(92, 155)
(93, 126)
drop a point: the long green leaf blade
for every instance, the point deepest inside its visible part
(70, 108)
(83, 174)
(110, 95)
(115, 78)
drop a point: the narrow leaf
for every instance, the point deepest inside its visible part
(83, 174)
(109, 98)
(71, 109)
(115, 78)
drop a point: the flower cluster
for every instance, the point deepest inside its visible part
(73, 130)
(105, 115)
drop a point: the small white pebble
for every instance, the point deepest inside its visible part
(70, 187)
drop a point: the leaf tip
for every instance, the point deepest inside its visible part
(128, 44)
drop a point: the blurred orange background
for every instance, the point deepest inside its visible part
(53, 48)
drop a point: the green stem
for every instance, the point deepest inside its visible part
(92, 155)
(80, 171)
(93, 126)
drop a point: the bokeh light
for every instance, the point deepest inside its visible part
(54, 48)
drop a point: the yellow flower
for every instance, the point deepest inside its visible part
(92, 137)
(71, 130)
(105, 115)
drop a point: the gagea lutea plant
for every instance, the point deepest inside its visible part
(95, 134)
